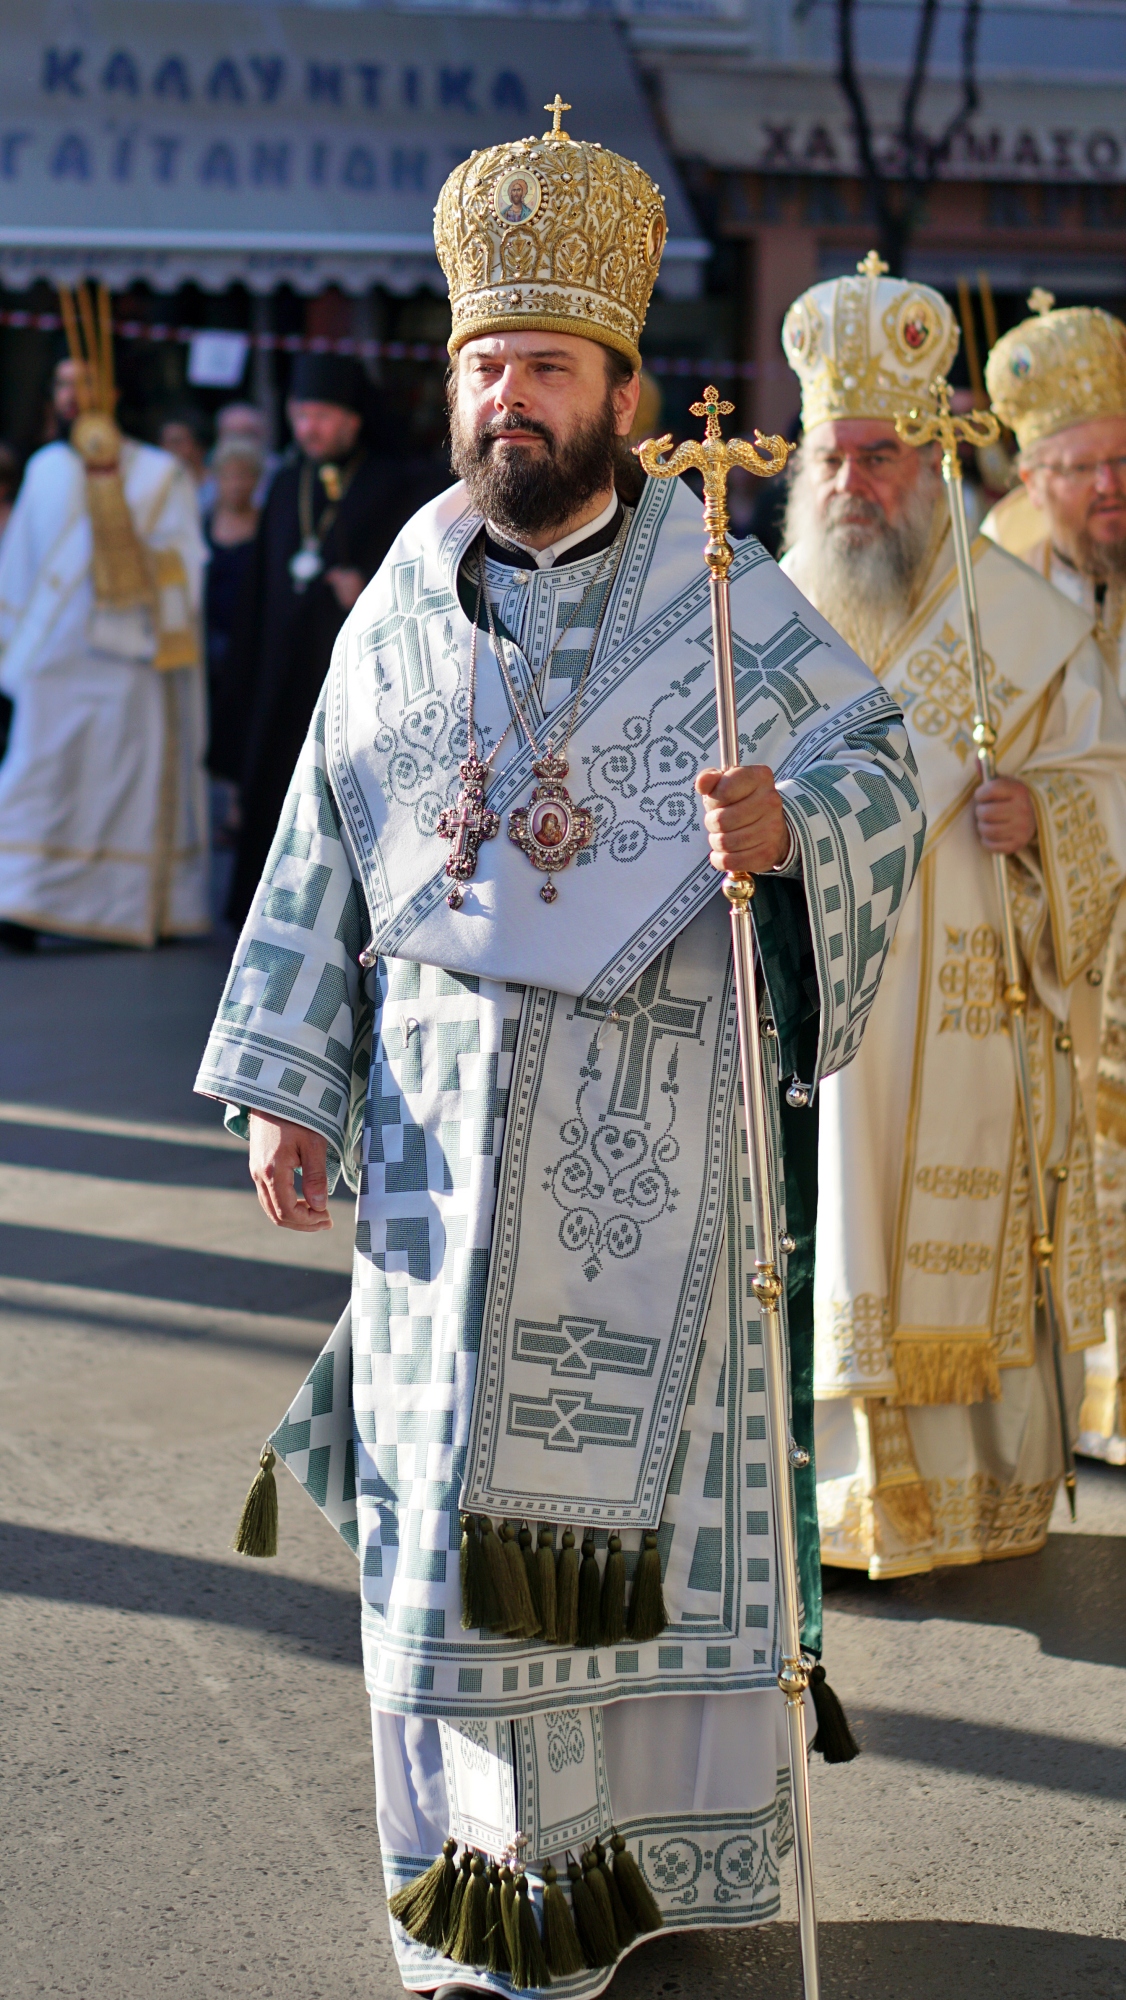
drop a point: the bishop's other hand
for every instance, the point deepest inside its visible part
(278, 1149)
(746, 827)
(1005, 815)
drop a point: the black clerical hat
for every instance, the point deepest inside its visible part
(331, 378)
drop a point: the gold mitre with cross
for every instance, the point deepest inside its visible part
(1057, 369)
(868, 345)
(554, 234)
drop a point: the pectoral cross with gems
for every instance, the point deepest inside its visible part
(467, 823)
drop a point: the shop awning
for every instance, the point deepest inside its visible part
(141, 139)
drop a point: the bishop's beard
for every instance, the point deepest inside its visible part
(1103, 562)
(860, 569)
(530, 492)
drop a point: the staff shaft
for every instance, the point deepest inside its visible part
(714, 457)
(985, 737)
(767, 1286)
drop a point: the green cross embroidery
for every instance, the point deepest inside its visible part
(405, 627)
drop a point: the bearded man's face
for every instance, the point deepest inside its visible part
(538, 423)
(1078, 479)
(860, 521)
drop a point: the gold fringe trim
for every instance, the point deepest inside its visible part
(946, 1371)
(1102, 1407)
(909, 1511)
(1110, 1116)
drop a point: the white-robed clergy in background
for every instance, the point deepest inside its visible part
(1059, 381)
(522, 1054)
(103, 797)
(937, 1425)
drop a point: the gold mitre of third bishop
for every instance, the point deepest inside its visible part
(1057, 369)
(553, 234)
(868, 345)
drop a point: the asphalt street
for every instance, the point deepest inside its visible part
(187, 1791)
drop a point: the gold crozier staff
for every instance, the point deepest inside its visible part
(715, 458)
(981, 428)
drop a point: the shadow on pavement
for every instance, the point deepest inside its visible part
(1069, 1596)
(986, 1750)
(879, 1961)
(152, 1271)
(76, 1569)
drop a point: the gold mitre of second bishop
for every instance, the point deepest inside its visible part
(1057, 369)
(555, 235)
(867, 346)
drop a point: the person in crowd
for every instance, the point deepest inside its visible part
(331, 514)
(183, 433)
(1058, 381)
(103, 807)
(230, 528)
(404, 1001)
(938, 1428)
(9, 484)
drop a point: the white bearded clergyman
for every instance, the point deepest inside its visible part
(937, 1429)
(488, 977)
(1059, 381)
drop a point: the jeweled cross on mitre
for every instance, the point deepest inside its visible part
(557, 108)
(873, 266)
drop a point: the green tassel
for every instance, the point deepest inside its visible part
(567, 1591)
(423, 1906)
(625, 1930)
(257, 1531)
(834, 1738)
(529, 1966)
(467, 1946)
(600, 1890)
(528, 1624)
(474, 1598)
(632, 1887)
(545, 1584)
(562, 1949)
(590, 1585)
(530, 1571)
(613, 1607)
(507, 1617)
(453, 1915)
(497, 1958)
(508, 1906)
(647, 1614)
(595, 1935)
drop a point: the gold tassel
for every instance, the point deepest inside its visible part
(624, 1929)
(647, 1614)
(507, 1617)
(497, 1957)
(909, 1511)
(423, 1906)
(257, 1531)
(590, 1587)
(472, 1575)
(567, 1591)
(613, 1606)
(529, 1966)
(467, 1945)
(545, 1573)
(453, 1915)
(562, 1949)
(527, 1623)
(595, 1932)
(946, 1371)
(508, 1906)
(633, 1889)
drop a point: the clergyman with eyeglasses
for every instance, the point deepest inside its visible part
(1059, 381)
